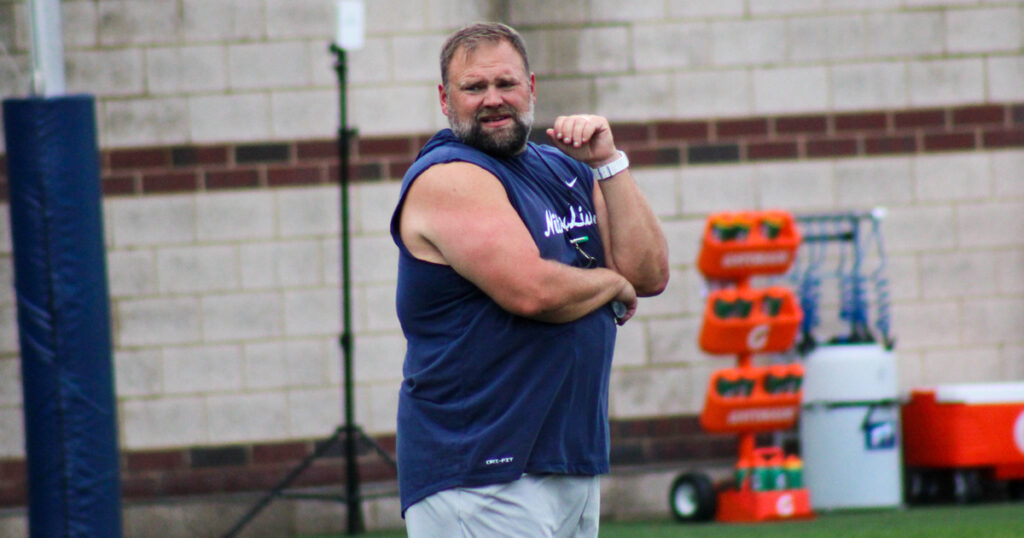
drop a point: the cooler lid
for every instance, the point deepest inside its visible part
(850, 373)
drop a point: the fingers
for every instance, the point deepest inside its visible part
(577, 130)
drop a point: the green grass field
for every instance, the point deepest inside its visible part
(997, 520)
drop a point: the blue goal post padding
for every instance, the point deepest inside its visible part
(60, 279)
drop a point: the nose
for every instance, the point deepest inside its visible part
(492, 97)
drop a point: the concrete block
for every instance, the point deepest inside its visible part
(377, 306)
(798, 89)
(703, 8)
(450, 14)
(659, 188)
(289, 363)
(1009, 265)
(957, 275)
(718, 188)
(395, 16)
(250, 417)
(242, 316)
(304, 212)
(8, 329)
(862, 5)
(197, 269)
(630, 345)
(532, 12)
(700, 94)
(558, 97)
(202, 369)
(415, 57)
(672, 301)
(151, 220)
(236, 117)
(304, 114)
(5, 226)
(186, 69)
(1013, 362)
(300, 18)
(281, 264)
(10, 381)
(833, 37)
(872, 182)
(234, 216)
(904, 34)
(314, 412)
(927, 325)
(222, 20)
(684, 240)
(141, 122)
(79, 24)
(992, 224)
(676, 341)
(378, 358)
(163, 423)
(146, 322)
(409, 109)
(964, 365)
(680, 45)
(903, 273)
(993, 320)
(7, 294)
(748, 42)
(268, 65)
(375, 202)
(949, 177)
(1005, 78)
(779, 7)
(14, 523)
(996, 29)
(589, 50)
(381, 414)
(12, 443)
(943, 82)
(124, 22)
(651, 392)
(374, 260)
(919, 229)
(331, 268)
(634, 97)
(370, 64)
(805, 185)
(138, 372)
(868, 86)
(312, 312)
(615, 12)
(113, 72)
(1006, 167)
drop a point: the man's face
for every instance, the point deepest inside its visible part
(489, 98)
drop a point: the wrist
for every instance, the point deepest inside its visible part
(611, 166)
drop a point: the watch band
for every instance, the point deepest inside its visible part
(612, 168)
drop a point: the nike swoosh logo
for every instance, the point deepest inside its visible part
(571, 182)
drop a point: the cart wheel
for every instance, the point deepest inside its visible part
(692, 498)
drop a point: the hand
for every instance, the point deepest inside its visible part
(626, 297)
(586, 138)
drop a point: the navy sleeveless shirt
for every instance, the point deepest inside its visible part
(488, 395)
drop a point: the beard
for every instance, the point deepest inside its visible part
(502, 143)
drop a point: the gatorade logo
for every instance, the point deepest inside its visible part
(1018, 432)
(785, 505)
(757, 338)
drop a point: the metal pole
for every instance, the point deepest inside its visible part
(352, 496)
(47, 50)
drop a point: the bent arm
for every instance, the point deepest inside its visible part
(635, 244)
(459, 214)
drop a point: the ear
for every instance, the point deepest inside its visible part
(533, 85)
(443, 96)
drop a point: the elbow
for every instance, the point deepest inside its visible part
(652, 281)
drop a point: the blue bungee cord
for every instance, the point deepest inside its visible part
(880, 282)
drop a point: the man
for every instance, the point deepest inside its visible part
(516, 261)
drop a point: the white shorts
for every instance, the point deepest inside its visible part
(541, 506)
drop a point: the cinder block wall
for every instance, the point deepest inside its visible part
(217, 119)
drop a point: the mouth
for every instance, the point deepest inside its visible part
(495, 119)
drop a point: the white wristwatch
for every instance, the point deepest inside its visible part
(612, 168)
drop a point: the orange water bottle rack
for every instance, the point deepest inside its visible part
(747, 399)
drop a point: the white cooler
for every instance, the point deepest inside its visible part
(850, 428)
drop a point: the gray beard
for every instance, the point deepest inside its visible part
(502, 144)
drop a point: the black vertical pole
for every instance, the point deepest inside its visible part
(352, 495)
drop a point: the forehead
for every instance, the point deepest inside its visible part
(485, 60)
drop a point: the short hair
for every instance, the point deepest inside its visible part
(470, 37)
